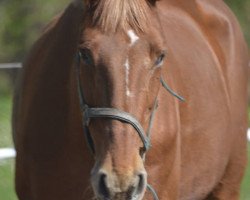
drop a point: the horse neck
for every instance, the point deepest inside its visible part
(46, 79)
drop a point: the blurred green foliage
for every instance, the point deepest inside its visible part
(21, 23)
(241, 9)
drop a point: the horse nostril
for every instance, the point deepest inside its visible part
(102, 186)
(138, 188)
(141, 183)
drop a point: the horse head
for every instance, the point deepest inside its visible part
(121, 53)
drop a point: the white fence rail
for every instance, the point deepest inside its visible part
(6, 153)
(10, 65)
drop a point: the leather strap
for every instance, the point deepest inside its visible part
(112, 113)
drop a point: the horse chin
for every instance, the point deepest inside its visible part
(120, 197)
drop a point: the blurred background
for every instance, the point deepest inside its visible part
(20, 25)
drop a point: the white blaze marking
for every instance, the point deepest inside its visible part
(133, 37)
(127, 67)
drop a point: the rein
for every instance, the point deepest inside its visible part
(89, 113)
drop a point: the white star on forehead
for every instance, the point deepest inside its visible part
(133, 37)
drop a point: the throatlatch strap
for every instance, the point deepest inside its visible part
(151, 189)
(164, 84)
(151, 119)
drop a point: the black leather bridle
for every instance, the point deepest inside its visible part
(89, 113)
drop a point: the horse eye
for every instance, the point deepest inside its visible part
(160, 59)
(86, 56)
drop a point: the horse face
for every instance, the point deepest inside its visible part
(120, 70)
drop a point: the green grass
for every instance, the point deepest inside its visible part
(245, 188)
(248, 115)
(6, 167)
(5, 121)
(7, 180)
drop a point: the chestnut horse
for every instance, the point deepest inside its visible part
(94, 79)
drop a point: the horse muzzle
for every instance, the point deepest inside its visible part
(114, 186)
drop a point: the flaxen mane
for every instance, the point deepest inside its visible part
(111, 15)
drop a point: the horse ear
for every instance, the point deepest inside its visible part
(152, 2)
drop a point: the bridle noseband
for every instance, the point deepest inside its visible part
(112, 113)
(115, 114)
